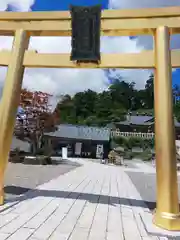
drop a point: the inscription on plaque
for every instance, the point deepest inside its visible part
(86, 23)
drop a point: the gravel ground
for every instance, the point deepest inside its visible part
(146, 185)
(20, 178)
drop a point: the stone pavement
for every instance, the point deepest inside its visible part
(92, 202)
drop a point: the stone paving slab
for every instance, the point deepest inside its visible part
(92, 202)
(22, 177)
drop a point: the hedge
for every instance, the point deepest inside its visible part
(133, 142)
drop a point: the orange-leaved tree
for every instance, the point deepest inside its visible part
(34, 117)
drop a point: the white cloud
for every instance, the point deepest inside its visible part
(147, 41)
(19, 5)
(60, 81)
(142, 3)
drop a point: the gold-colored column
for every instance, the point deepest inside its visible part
(10, 100)
(167, 212)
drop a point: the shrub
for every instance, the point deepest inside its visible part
(149, 143)
(146, 155)
(135, 142)
(122, 141)
(129, 155)
(40, 152)
(146, 143)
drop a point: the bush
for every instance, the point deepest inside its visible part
(16, 156)
(129, 155)
(49, 160)
(146, 155)
(43, 160)
(119, 140)
(128, 142)
(40, 152)
(132, 142)
(147, 158)
(135, 142)
(148, 143)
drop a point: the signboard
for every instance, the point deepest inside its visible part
(78, 148)
(86, 27)
(99, 151)
(64, 153)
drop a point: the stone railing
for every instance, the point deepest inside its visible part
(117, 133)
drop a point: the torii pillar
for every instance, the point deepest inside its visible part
(167, 213)
(10, 100)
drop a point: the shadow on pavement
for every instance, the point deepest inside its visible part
(15, 190)
(93, 198)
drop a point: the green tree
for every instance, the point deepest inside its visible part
(149, 91)
(112, 105)
(123, 92)
(84, 103)
(66, 109)
(176, 93)
(177, 110)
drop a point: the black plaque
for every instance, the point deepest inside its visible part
(86, 26)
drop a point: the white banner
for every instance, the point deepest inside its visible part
(78, 147)
(64, 153)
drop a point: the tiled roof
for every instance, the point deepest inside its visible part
(143, 120)
(81, 132)
(137, 120)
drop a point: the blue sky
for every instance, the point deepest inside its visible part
(60, 5)
(176, 77)
(54, 5)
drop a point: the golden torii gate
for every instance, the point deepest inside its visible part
(160, 23)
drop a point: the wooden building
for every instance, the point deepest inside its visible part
(143, 124)
(81, 141)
